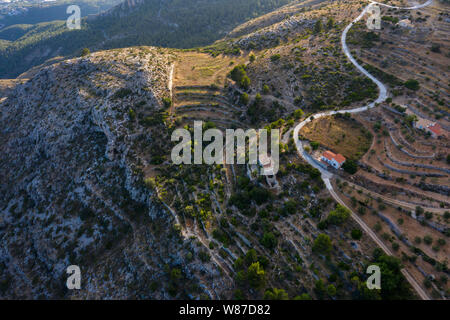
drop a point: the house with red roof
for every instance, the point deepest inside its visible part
(435, 130)
(334, 160)
(427, 125)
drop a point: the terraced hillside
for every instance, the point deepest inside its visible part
(403, 181)
(412, 46)
(207, 104)
(401, 191)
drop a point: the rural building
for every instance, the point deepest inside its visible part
(334, 160)
(433, 128)
(405, 23)
(422, 123)
(267, 163)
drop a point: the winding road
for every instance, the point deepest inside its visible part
(326, 175)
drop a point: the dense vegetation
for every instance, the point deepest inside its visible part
(393, 284)
(50, 11)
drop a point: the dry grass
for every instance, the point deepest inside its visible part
(6, 85)
(345, 136)
(200, 69)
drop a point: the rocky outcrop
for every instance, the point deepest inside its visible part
(271, 36)
(72, 190)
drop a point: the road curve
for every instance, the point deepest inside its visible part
(326, 175)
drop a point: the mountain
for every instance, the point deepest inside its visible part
(86, 180)
(167, 23)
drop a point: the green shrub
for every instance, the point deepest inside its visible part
(239, 74)
(303, 296)
(428, 240)
(85, 52)
(338, 215)
(318, 26)
(256, 276)
(269, 240)
(356, 234)
(244, 98)
(298, 113)
(131, 114)
(275, 57)
(245, 83)
(322, 244)
(167, 102)
(412, 84)
(331, 290)
(204, 256)
(350, 166)
(314, 145)
(275, 294)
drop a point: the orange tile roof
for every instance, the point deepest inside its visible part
(436, 129)
(339, 158)
(330, 156)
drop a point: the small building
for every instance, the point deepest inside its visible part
(405, 23)
(267, 164)
(334, 160)
(422, 123)
(435, 130)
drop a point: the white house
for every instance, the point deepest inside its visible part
(334, 160)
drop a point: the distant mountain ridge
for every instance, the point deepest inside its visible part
(166, 23)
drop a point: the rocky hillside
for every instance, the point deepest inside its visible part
(167, 23)
(71, 190)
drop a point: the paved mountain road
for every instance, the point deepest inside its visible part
(326, 175)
